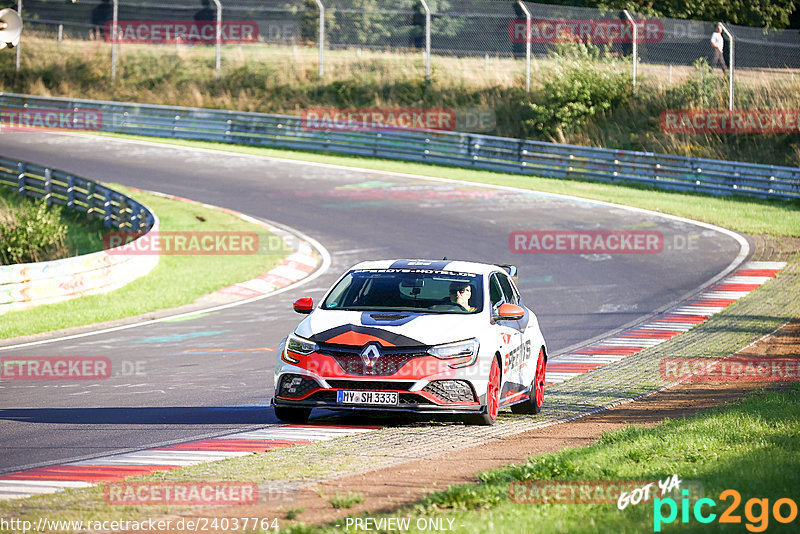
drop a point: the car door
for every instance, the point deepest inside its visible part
(509, 337)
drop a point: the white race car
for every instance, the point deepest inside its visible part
(417, 336)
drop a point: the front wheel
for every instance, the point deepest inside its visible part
(536, 398)
(492, 400)
(292, 415)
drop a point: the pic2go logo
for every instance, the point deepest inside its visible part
(783, 510)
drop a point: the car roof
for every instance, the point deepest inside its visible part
(437, 265)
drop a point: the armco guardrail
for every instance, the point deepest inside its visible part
(450, 148)
(31, 284)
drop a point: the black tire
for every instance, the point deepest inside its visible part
(532, 405)
(292, 415)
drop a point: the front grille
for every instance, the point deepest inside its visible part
(294, 386)
(451, 390)
(369, 384)
(389, 316)
(390, 361)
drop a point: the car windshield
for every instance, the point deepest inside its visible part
(412, 290)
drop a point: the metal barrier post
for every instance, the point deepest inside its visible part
(48, 186)
(731, 59)
(635, 48)
(321, 38)
(21, 178)
(527, 44)
(114, 32)
(218, 4)
(70, 191)
(427, 41)
(19, 45)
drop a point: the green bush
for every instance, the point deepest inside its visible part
(704, 90)
(584, 83)
(29, 232)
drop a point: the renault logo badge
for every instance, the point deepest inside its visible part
(370, 355)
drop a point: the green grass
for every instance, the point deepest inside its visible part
(752, 447)
(83, 235)
(177, 280)
(292, 513)
(743, 214)
(345, 500)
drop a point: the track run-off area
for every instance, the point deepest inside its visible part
(203, 382)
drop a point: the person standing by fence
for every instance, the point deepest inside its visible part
(717, 43)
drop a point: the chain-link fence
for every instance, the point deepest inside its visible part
(490, 30)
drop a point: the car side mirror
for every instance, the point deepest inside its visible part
(510, 312)
(304, 305)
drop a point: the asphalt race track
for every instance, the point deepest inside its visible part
(187, 388)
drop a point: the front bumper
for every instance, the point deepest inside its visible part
(437, 396)
(400, 408)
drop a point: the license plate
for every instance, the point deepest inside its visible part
(366, 397)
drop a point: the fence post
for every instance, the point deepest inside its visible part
(48, 186)
(107, 208)
(635, 48)
(731, 60)
(218, 4)
(70, 191)
(21, 178)
(321, 38)
(427, 40)
(114, 35)
(60, 33)
(90, 199)
(19, 45)
(527, 44)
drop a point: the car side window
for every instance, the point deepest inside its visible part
(495, 292)
(509, 294)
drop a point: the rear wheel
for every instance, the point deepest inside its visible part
(292, 415)
(536, 399)
(492, 400)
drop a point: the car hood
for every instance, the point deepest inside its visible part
(401, 329)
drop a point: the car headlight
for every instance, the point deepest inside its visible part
(466, 351)
(298, 345)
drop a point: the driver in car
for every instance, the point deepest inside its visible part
(460, 292)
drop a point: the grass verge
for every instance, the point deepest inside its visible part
(751, 447)
(743, 214)
(177, 280)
